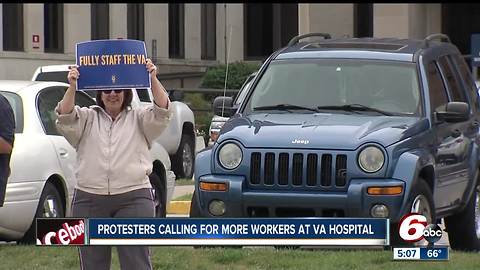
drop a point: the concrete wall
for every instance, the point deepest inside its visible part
(433, 18)
(406, 20)
(77, 25)
(33, 25)
(22, 65)
(336, 19)
(390, 20)
(118, 21)
(193, 31)
(156, 28)
(236, 28)
(231, 32)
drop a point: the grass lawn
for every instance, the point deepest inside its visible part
(184, 182)
(178, 258)
(186, 197)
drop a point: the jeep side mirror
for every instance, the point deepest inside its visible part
(454, 112)
(226, 103)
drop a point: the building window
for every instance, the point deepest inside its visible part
(135, 21)
(176, 30)
(12, 27)
(100, 21)
(209, 29)
(268, 27)
(363, 17)
(53, 27)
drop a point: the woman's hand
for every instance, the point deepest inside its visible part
(151, 68)
(73, 76)
(160, 95)
(68, 101)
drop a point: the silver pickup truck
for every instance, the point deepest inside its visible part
(180, 148)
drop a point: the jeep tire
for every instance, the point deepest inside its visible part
(184, 159)
(464, 227)
(420, 201)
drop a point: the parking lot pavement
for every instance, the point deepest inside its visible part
(182, 190)
(180, 207)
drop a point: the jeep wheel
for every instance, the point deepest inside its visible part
(160, 195)
(464, 227)
(183, 160)
(421, 202)
(50, 205)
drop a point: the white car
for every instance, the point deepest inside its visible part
(42, 178)
(178, 138)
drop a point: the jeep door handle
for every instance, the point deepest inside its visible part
(456, 133)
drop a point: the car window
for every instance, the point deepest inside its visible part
(389, 86)
(54, 76)
(84, 100)
(17, 107)
(143, 95)
(91, 93)
(242, 93)
(453, 85)
(438, 94)
(47, 100)
(466, 75)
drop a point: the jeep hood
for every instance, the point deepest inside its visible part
(320, 130)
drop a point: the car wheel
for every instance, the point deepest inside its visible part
(50, 205)
(421, 202)
(183, 160)
(464, 227)
(159, 196)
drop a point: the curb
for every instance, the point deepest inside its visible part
(178, 207)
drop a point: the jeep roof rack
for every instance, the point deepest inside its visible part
(426, 41)
(297, 38)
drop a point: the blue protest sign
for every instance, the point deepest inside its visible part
(475, 50)
(112, 64)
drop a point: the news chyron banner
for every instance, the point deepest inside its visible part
(112, 64)
(61, 231)
(239, 231)
(232, 231)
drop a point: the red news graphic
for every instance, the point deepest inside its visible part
(60, 231)
(413, 227)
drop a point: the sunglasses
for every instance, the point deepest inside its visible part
(110, 91)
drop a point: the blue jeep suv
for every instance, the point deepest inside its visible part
(351, 127)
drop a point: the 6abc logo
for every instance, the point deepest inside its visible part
(413, 227)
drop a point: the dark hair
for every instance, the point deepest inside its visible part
(127, 99)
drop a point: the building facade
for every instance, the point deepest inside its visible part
(185, 39)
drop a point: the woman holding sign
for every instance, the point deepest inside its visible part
(112, 142)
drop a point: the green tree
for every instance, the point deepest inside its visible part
(237, 73)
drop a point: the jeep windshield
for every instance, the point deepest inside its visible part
(338, 86)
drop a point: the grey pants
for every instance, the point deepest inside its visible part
(137, 203)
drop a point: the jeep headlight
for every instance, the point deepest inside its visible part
(371, 159)
(230, 156)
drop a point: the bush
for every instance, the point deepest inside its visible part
(215, 78)
(202, 118)
(237, 73)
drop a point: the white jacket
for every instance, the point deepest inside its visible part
(112, 156)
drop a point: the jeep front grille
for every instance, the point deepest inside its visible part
(326, 171)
